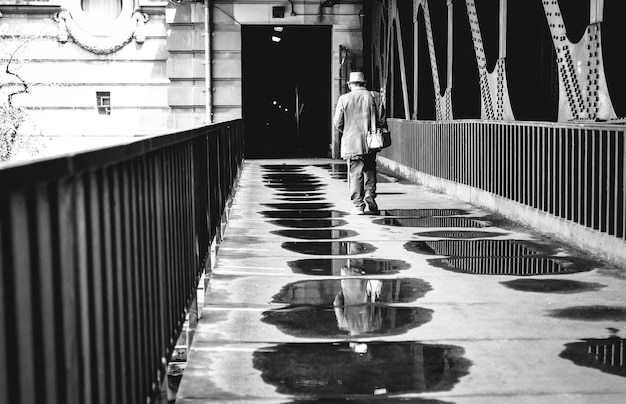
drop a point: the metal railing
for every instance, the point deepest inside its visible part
(100, 256)
(572, 171)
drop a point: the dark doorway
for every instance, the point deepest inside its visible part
(286, 81)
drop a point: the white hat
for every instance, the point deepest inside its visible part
(357, 77)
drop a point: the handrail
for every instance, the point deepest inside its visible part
(575, 172)
(100, 256)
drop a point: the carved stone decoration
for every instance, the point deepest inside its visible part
(583, 91)
(119, 34)
(493, 86)
(443, 103)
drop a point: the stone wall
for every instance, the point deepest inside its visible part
(156, 78)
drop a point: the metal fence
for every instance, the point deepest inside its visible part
(100, 255)
(575, 172)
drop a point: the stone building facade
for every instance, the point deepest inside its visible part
(100, 72)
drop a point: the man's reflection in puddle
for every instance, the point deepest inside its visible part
(355, 305)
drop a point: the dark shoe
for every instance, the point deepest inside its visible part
(370, 203)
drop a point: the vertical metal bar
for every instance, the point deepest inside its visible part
(567, 175)
(617, 184)
(160, 310)
(135, 281)
(5, 341)
(47, 291)
(542, 170)
(22, 281)
(622, 183)
(82, 240)
(110, 317)
(95, 282)
(415, 60)
(581, 177)
(122, 356)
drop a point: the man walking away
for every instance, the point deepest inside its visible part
(352, 119)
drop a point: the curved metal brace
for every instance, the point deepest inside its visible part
(443, 102)
(583, 91)
(493, 85)
(102, 44)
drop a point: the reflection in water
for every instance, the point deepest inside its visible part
(352, 291)
(283, 167)
(459, 234)
(421, 213)
(518, 266)
(606, 355)
(591, 313)
(497, 257)
(290, 177)
(316, 234)
(302, 214)
(359, 306)
(367, 320)
(552, 285)
(309, 224)
(299, 206)
(328, 247)
(301, 198)
(431, 222)
(337, 370)
(359, 266)
(474, 248)
(299, 194)
(282, 189)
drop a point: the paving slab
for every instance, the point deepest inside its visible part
(431, 301)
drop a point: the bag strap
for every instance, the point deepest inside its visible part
(373, 112)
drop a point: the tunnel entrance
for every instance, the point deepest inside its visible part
(286, 81)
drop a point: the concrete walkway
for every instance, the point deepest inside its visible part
(434, 301)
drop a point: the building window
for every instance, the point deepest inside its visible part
(103, 102)
(105, 9)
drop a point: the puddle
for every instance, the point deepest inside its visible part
(296, 187)
(432, 222)
(299, 206)
(516, 266)
(309, 223)
(299, 194)
(292, 179)
(605, 355)
(420, 213)
(552, 286)
(475, 248)
(301, 198)
(289, 176)
(591, 313)
(302, 214)
(283, 167)
(367, 319)
(352, 291)
(328, 248)
(332, 371)
(459, 234)
(355, 266)
(316, 234)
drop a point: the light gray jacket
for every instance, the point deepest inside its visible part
(353, 120)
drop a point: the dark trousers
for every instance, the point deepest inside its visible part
(362, 178)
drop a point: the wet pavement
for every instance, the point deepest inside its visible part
(432, 301)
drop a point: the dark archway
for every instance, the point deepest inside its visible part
(286, 77)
